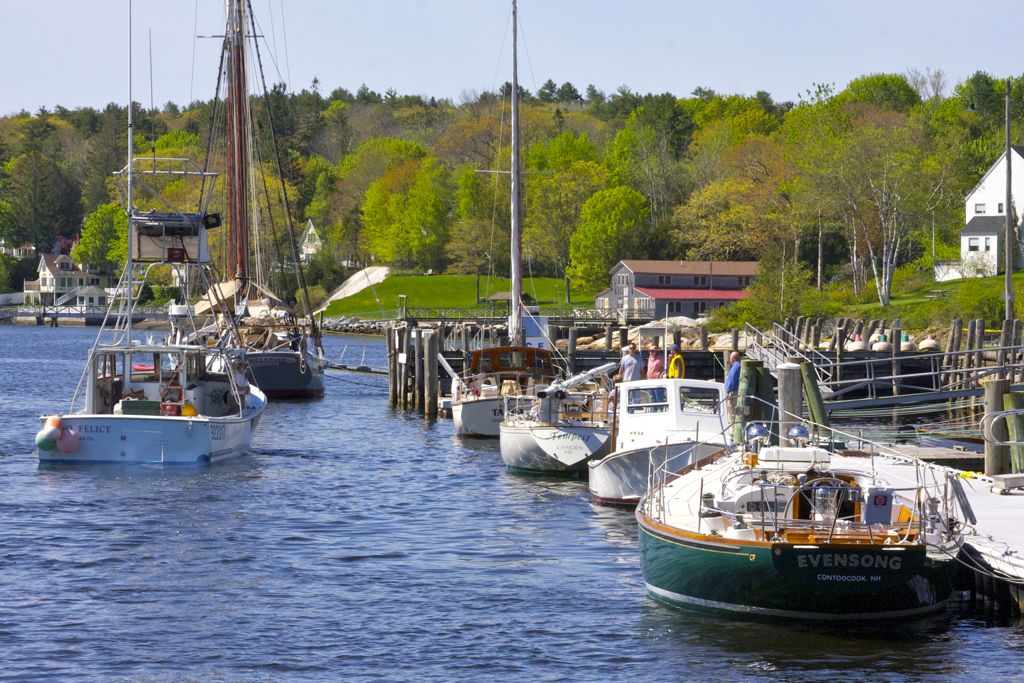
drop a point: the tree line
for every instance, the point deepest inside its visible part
(840, 189)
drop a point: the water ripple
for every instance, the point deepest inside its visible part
(360, 543)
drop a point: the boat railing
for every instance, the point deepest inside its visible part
(925, 484)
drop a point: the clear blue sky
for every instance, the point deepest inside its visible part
(73, 52)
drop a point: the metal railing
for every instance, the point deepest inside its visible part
(929, 481)
(85, 310)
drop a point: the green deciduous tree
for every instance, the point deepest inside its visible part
(607, 221)
(104, 238)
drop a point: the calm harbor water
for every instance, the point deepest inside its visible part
(357, 543)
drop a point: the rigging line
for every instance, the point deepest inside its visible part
(284, 38)
(526, 46)
(274, 239)
(300, 275)
(273, 57)
(152, 103)
(501, 53)
(195, 41)
(273, 32)
(254, 229)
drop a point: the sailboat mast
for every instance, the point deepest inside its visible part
(515, 323)
(129, 266)
(237, 142)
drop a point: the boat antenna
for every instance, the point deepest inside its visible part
(129, 266)
(515, 323)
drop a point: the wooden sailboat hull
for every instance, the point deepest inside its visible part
(166, 440)
(286, 374)
(541, 448)
(824, 582)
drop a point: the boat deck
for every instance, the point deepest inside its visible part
(998, 535)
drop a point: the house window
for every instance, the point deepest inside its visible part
(1000, 208)
(700, 280)
(988, 244)
(979, 208)
(674, 307)
(973, 243)
(700, 306)
(743, 280)
(664, 279)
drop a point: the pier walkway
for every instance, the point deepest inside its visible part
(993, 541)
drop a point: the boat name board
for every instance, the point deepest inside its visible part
(94, 429)
(853, 561)
(831, 565)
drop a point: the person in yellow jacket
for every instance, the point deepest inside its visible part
(676, 364)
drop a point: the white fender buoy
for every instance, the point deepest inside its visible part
(929, 344)
(857, 344)
(68, 441)
(882, 344)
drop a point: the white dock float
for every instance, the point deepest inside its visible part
(997, 537)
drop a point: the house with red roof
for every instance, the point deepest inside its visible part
(650, 290)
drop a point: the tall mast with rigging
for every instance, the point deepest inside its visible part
(129, 266)
(237, 138)
(515, 323)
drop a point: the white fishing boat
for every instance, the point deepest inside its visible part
(516, 369)
(661, 423)
(148, 401)
(799, 532)
(560, 428)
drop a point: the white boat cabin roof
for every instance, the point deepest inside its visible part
(669, 406)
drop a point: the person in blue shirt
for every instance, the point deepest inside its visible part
(732, 382)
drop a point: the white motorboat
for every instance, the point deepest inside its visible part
(564, 425)
(165, 401)
(154, 403)
(667, 423)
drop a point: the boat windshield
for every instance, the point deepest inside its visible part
(704, 398)
(647, 400)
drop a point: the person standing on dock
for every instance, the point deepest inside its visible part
(732, 382)
(655, 364)
(630, 368)
(676, 364)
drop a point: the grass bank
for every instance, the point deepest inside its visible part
(448, 291)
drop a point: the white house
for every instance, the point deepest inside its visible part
(24, 251)
(310, 244)
(61, 281)
(981, 240)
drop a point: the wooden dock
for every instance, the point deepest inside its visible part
(992, 548)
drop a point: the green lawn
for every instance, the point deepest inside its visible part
(936, 303)
(447, 291)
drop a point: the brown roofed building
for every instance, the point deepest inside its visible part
(658, 289)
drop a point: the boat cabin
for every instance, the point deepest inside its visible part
(651, 412)
(158, 380)
(510, 370)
